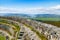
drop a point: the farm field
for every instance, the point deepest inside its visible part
(53, 21)
(47, 19)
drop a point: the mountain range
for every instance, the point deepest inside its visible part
(32, 15)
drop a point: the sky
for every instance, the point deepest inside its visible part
(30, 6)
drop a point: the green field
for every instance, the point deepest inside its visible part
(2, 37)
(48, 19)
(56, 23)
(53, 21)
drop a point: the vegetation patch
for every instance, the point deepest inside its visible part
(53, 21)
(2, 37)
(47, 19)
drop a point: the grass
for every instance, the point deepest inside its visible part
(55, 23)
(48, 19)
(2, 37)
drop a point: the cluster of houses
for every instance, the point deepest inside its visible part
(49, 31)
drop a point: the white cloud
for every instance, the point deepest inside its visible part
(56, 7)
(50, 10)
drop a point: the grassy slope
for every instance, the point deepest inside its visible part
(2, 37)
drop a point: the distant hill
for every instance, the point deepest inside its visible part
(33, 15)
(47, 16)
(18, 15)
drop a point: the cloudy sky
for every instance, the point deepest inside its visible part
(30, 6)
